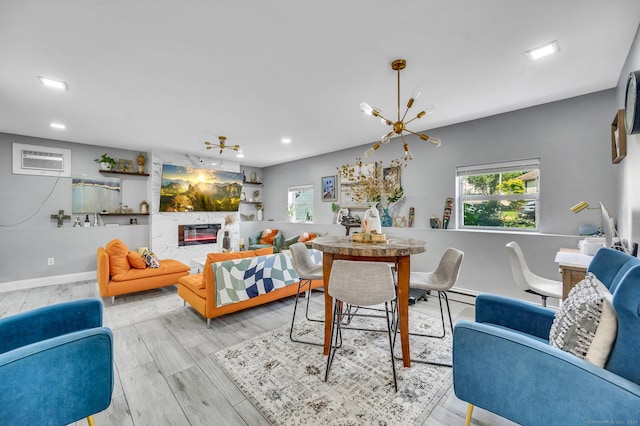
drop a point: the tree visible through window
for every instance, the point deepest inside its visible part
(501, 195)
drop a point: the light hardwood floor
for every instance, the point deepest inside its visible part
(165, 374)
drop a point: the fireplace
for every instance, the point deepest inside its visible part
(203, 233)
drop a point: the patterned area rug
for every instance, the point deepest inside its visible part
(285, 380)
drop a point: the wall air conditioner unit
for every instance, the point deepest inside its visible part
(41, 160)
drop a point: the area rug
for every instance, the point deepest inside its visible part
(285, 380)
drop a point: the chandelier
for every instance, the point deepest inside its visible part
(400, 126)
(221, 145)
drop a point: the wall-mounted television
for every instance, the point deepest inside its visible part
(189, 189)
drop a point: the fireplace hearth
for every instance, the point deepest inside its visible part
(197, 234)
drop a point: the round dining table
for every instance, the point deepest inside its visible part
(394, 250)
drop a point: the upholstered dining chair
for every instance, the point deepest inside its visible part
(440, 280)
(363, 284)
(307, 271)
(527, 280)
(56, 364)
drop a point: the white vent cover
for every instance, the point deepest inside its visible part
(41, 160)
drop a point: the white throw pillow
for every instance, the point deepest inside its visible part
(586, 324)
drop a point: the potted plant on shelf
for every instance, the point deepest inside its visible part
(106, 162)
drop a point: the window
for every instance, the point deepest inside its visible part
(499, 195)
(301, 203)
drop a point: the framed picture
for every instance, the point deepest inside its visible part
(618, 138)
(329, 188)
(347, 201)
(125, 165)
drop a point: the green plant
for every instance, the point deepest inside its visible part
(335, 207)
(106, 159)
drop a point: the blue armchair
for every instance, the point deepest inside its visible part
(503, 362)
(254, 242)
(56, 364)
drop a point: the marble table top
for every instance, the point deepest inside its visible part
(392, 247)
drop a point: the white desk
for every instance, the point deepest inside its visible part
(573, 267)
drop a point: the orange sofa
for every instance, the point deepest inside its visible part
(120, 272)
(199, 290)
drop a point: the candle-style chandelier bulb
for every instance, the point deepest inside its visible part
(407, 153)
(366, 108)
(386, 138)
(371, 150)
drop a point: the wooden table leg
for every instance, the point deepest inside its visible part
(327, 261)
(404, 270)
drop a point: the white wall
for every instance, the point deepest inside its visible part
(164, 225)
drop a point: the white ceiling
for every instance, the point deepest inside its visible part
(167, 74)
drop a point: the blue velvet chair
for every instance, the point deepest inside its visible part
(56, 364)
(503, 362)
(254, 242)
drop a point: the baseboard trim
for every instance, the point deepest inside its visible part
(46, 281)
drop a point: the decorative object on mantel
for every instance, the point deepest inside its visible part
(259, 212)
(144, 207)
(125, 166)
(221, 144)
(106, 162)
(399, 127)
(411, 216)
(400, 222)
(140, 160)
(60, 216)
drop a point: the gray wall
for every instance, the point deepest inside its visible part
(26, 246)
(572, 140)
(570, 137)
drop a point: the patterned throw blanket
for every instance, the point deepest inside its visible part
(241, 279)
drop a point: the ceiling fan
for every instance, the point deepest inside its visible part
(221, 145)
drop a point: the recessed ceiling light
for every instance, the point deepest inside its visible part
(61, 85)
(58, 126)
(285, 140)
(240, 155)
(544, 50)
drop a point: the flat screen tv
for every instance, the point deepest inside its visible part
(189, 189)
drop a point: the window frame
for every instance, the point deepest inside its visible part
(493, 168)
(291, 193)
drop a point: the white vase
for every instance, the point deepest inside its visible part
(259, 214)
(372, 216)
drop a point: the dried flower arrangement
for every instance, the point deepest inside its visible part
(369, 185)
